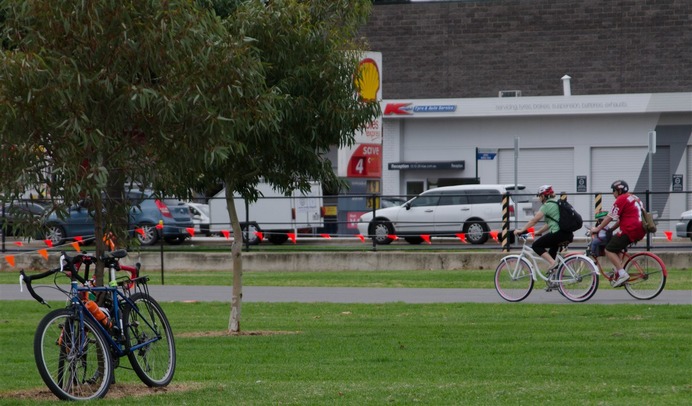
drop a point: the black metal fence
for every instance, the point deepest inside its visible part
(292, 219)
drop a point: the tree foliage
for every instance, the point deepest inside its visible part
(176, 94)
(90, 91)
(309, 54)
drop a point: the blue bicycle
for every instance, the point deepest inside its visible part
(78, 347)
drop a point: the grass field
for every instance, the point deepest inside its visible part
(469, 279)
(434, 354)
(360, 354)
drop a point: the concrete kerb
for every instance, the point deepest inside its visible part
(323, 261)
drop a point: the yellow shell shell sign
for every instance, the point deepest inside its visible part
(368, 79)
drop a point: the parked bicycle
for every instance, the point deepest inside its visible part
(77, 348)
(647, 272)
(575, 277)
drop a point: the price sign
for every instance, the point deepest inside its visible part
(365, 162)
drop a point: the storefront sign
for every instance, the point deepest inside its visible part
(677, 183)
(581, 184)
(398, 166)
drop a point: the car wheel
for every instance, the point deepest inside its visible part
(476, 232)
(277, 239)
(380, 231)
(689, 230)
(413, 240)
(249, 236)
(149, 234)
(174, 240)
(56, 234)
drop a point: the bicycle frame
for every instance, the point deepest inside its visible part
(534, 259)
(626, 257)
(116, 295)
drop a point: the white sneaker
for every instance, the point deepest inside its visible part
(624, 276)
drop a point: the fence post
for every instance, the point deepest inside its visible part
(648, 208)
(505, 223)
(374, 215)
(159, 231)
(3, 231)
(598, 203)
(245, 241)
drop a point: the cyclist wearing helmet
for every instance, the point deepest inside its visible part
(547, 245)
(626, 213)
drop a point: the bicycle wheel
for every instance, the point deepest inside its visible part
(149, 340)
(72, 357)
(513, 280)
(648, 276)
(577, 279)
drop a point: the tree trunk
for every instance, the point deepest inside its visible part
(236, 250)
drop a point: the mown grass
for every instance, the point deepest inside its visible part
(433, 354)
(463, 279)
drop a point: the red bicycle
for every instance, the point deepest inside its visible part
(647, 272)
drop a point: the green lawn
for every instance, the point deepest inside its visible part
(476, 279)
(432, 354)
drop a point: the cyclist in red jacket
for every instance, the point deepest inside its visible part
(626, 213)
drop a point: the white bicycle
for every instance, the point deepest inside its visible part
(576, 276)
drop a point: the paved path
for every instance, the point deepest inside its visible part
(170, 293)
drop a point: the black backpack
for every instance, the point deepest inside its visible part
(570, 220)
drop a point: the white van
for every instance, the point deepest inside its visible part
(273, 214)
(446, 211)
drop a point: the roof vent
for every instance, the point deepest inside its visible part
(510, 93)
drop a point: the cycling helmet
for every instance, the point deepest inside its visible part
(545, 190)
(620, 185)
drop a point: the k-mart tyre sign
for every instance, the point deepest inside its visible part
(365, 161)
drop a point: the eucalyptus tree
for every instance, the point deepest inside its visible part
(309, 52)
(95, 94)
(170, 94)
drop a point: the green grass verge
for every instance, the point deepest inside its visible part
(463, 279)
(433, 354)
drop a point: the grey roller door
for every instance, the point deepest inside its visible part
(554, 166)
(631, 165)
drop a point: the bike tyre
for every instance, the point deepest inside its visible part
(513, 288)
(581, 284)
(648, 276)
(154, 363)
(56, 333)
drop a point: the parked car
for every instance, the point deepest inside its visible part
(684, 227)
(200, 217)
(146, 212)
(471, 209)
(20, 211)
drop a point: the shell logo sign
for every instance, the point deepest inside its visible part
(368, 79)
(363, 159)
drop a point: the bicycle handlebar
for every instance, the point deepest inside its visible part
(24, 278)
(64, 261)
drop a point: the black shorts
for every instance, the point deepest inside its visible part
(618, 243)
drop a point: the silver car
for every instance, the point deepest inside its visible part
(445, 211)
(684, 227)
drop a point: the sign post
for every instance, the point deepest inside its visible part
(516, 178)
(652, 151)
